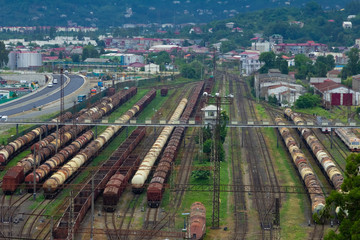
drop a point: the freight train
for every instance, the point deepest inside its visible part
(118, 182)
(349, 138)
(306, 173)
(53, 184)
(47, 147)
(142, 174)
(57, 160)
(197, 221)
(82, 201)
(324, 160)
(10, 150)
(156, 187)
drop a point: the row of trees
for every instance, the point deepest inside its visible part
(304, 66)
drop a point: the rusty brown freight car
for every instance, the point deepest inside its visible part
(197, 220)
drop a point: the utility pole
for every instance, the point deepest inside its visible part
(216, 156)
(61, 94)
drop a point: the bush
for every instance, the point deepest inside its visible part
(308, 101)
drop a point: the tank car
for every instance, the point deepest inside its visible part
(141, 175)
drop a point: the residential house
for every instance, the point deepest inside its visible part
(276, 39)
(261, 46)
(152, 68)
(230, 25)
(347, 25)
(249, 61)
(290, 60)
(333, 73)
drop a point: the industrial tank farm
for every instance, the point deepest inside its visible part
(306, 173)
(323, 158)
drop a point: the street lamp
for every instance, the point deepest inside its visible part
(186, 225)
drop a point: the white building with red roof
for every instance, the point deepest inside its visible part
(336, 94)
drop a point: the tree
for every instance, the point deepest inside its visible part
(227, 46)
(272, 100)
(80, 36)
(347, 202)
(352, 67)
(207, 147)
(4, 55)
(61, 55)
(302, 60)
(75, 57)
(269, 59)
(187, 71)
(52, 32)
(89, 51)
(308, 101)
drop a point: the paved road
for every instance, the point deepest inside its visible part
(42, 97)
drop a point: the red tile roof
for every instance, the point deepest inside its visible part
(327, 85)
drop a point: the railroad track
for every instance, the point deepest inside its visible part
(32, 218)
(240, 209)
(9, 212)
(111, 232)
(259, 161)
(318, 232)
(151, 217)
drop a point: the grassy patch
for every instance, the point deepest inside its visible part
(260, 111)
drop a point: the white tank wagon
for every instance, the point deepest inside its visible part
(142, 174)
(323, 158)
(51, 185)
(306, 173)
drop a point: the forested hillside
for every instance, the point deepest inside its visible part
(115, 12)
(295, 24)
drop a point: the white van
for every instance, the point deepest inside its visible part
(55, 81)
(3, 118)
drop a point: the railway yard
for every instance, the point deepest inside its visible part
(115, 182)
